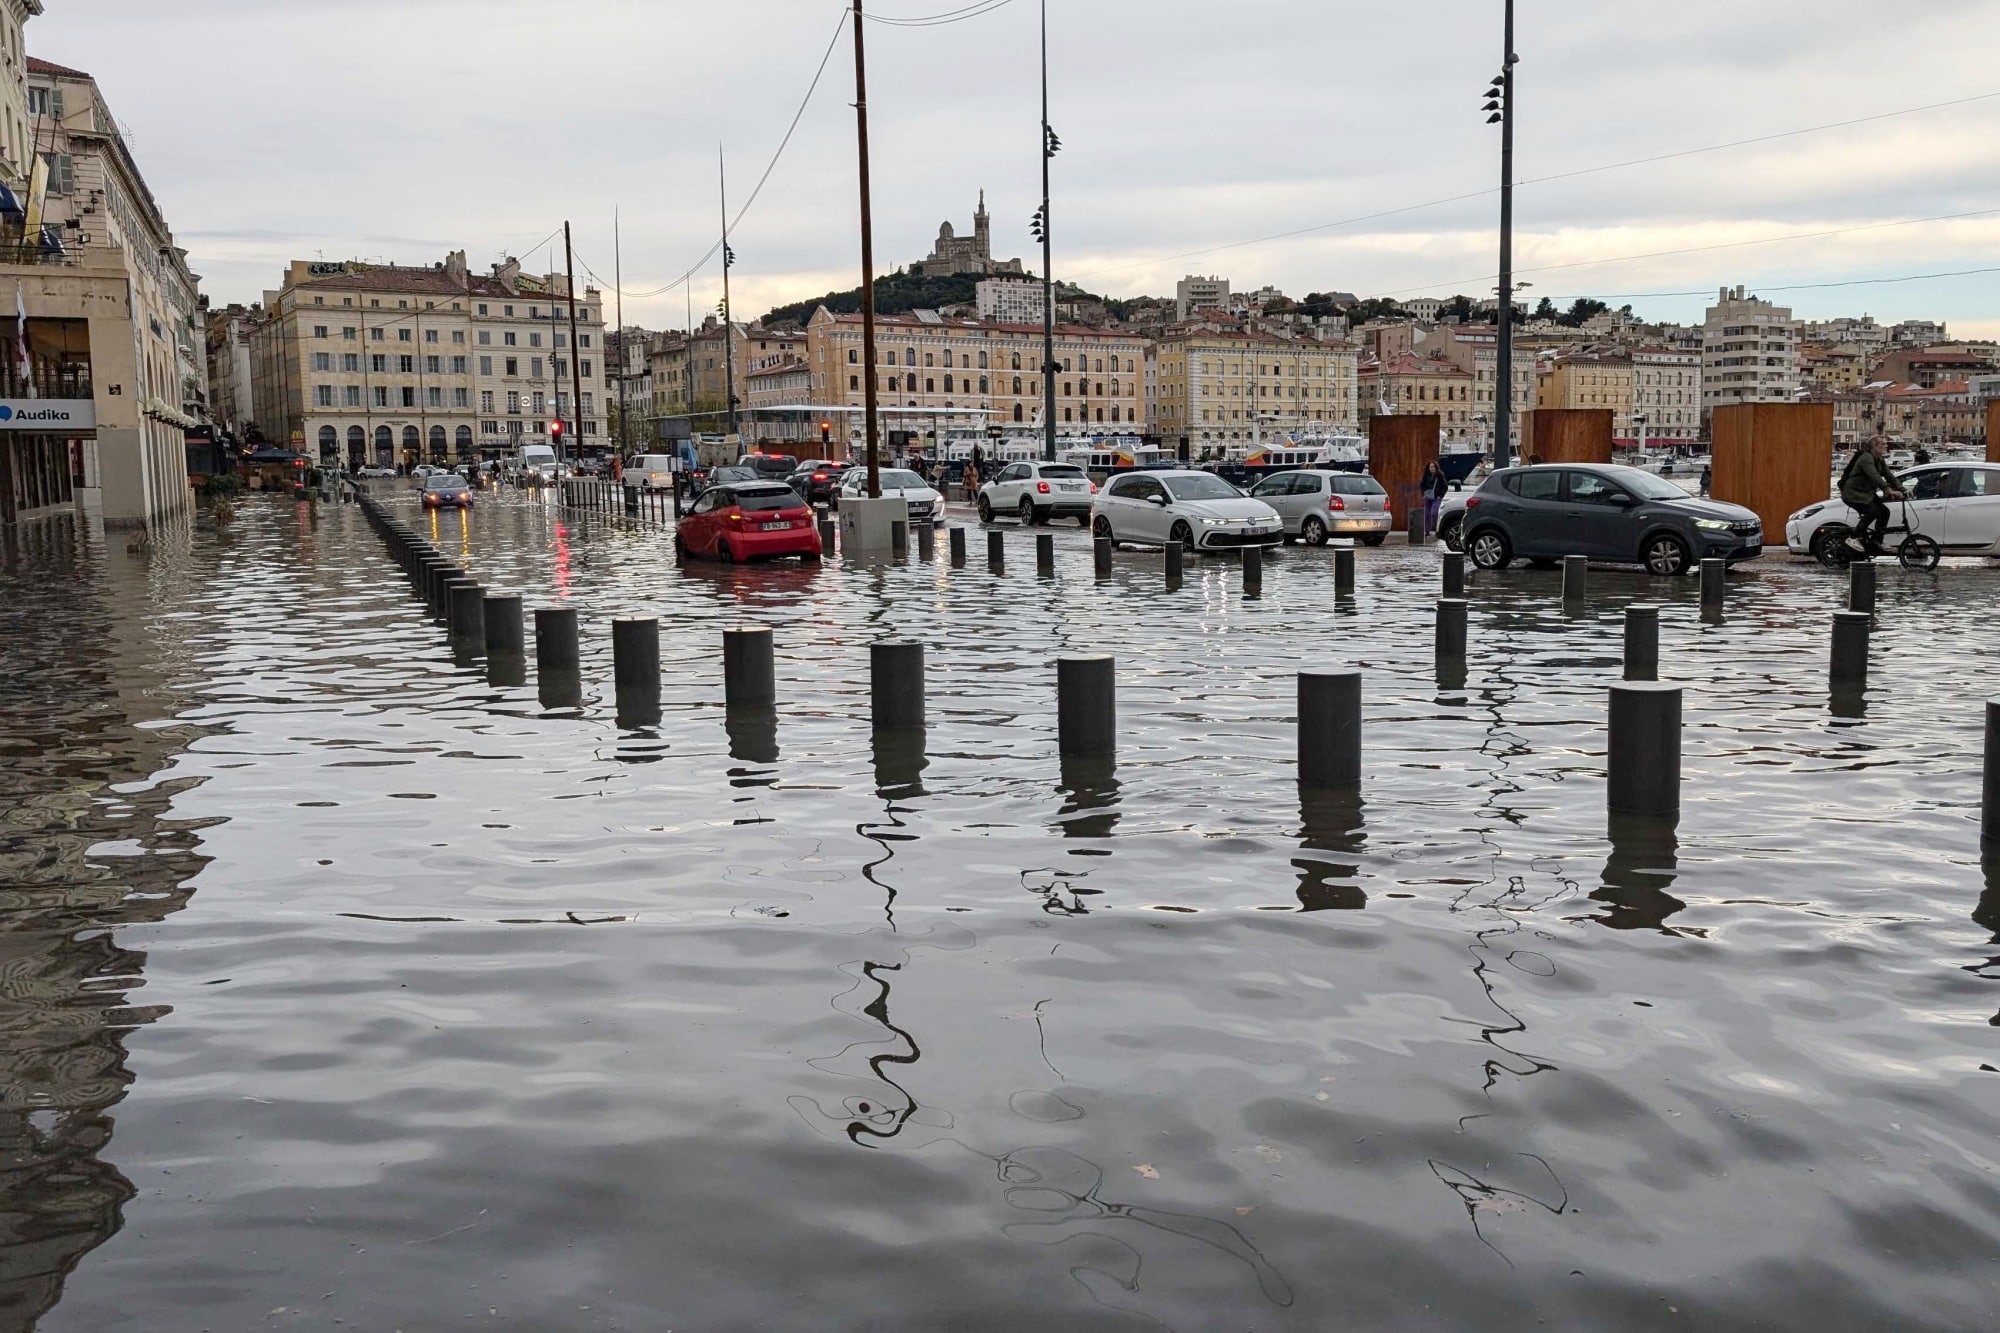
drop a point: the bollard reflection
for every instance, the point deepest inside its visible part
(1987, 912)
(1330, 822)
(559, 689)
(507, 669)
(1848, 701)
(1641, 868)
(899, 764)
(753, 735)
(1451, 673)
(1089, 788)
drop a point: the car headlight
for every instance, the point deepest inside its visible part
(1712, 524)
(1805, 513)
(1216, 522)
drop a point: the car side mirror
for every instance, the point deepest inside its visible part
(1159, 500)
(1623, 501)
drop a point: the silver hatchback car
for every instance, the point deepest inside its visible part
(1318, 503)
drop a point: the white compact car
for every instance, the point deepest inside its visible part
(1038, 492)
(1199, 510)
(1956, 504)
(925, 504)
(1318, 503)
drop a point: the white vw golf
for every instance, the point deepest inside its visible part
(1199, 510)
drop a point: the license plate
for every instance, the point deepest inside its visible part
(775, 527)
(1068, 486)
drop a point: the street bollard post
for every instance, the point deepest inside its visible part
(996, 551)
(957, 545)
(1450, 629)
(1175, 563)
(1642, 642)
(1861, 586)
(505, 634)
(1045, 555)
(1643, 757)
(1253, 571)
(1343, 567)
(1086, 706)
(1714, 570)
(926, 543)
(896, 686)
(468, 616)
(1576, 572)
(1100, 556)
(1454, 574)
(635, 669)
(749, 669)
(1329, 730)
(1847, 666)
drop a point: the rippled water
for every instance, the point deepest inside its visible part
(340, 988)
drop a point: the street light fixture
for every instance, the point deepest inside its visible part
(1051, 145)
(1500, 106)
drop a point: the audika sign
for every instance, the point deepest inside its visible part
(55, 415)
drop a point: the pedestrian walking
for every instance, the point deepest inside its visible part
(1704, 478)
(1435, 484)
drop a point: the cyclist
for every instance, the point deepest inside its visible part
(1864, 485)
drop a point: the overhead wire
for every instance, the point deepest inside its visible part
(1803, 286)
(972, 11)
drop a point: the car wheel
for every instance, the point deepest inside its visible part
(1313, 531)
(722, 551)
(1449, 533)
(985, 509)
(1665, 555)
(1375, 539)
(1183, 534)
(1100, 528)
(1829, 545)
(1027, 512)
(1490, 550)
(680, 549)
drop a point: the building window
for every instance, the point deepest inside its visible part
(378, 362)
(585, 367)
(485, 337)
(482, 309)
(458, 335)
(947, 384)
(486, 365)
(507, 338)
(354, 395)
(322, 361)
(909, 356)
(853, 356)
(434, 397)
(486, 401)
(982, 384)
(375, 335)
(507, 310)
(430, 335)
(1017, 380)
(513, 403)
(561, 367)
(461, 398)
(432, 365)
(350, 362)
(513, 366)
(1017, 406)
(406, 365)
(402, 335)
(458, 365)
(409, 396)
(534, 340)
(561, 343)
(535, 366)
(853, 382)
(323, 395)
(930, 386)
(382, 397)
(319, 330)
(583, 340)
(348, 333)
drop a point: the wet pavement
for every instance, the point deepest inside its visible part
(342, 988)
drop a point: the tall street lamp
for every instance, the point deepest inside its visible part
(1051, 145)
(1500, 109)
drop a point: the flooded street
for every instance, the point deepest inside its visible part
(340, 988)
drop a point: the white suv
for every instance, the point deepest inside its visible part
(1038, 492)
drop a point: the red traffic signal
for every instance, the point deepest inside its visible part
(826, 432)
(555, 429)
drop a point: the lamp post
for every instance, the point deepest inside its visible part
(1500, 108)
(869, 369)
(1051, 145)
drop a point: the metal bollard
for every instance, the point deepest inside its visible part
(1454, 574)
(1100, 555)
(996, 551)
(1713, 570)
(827, 541)
(1642, 642)
(1086, 706)
(1045, 555)
(1343, 567)
(1861, 586)
(1989, 809)
(468, 616)
(556, 650)
(1576, 572)
(749, 671)
(1848, 665)
(1644, 754)
(1450, 635)
(1175, 562)
(505, 636)
(957, 544)
(1329, 729)
(926, 542)
(635, 669)
(1253, 571)
(896, 686)
(899, 537)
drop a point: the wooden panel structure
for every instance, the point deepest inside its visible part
(1993, 430)
(1774, 458)
(1566, 435)
(1398, 448)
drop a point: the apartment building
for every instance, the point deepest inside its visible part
(1666, 392)
(227, 344)
(668, 365)
(1214, 388)
(17, 131)
(990, 371)
(1475, 349)
(398, 365)
(1011, 300)
(1407, 384)
(1585, 379)
(1749, 352)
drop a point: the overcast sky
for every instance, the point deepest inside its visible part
(400, 129)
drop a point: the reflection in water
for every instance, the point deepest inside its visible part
(899, 765)
(1987, 914)
(1330, 822)
(1638, 873)
(1089, 788)
(753, 739)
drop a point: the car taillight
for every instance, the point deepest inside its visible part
(1336, 503)
(1472, 502)
(819, 476)
(1041, 488)
(1093, 488)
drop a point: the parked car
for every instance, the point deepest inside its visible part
(1317, 503)
(750, 520)
(1199, 510)
(375, 472)
(1956, 504)
(770, 467)
(1451, 519)
(925, 504)
(727, 475)
(651, 472)
(1542, 513)
(1038, 492)
(818, 480)
(446, 489)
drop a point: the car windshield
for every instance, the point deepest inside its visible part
(1198, 486)
(1357, 486)
(900, 479)
(444, 482)
(1645, 485)
(1064, 470)
(767, 497)
(725, 474)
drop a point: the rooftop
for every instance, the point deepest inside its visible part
(37, 65)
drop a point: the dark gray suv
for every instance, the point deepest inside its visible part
(1541, 514)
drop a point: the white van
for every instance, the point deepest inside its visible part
(538, 463)
(651, 472)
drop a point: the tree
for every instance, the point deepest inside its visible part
(1546, 309)
(1584, 308)
(1459, 308)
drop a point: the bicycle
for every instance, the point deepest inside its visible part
(1833, 545)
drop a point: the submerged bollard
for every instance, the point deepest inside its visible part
(1861, 586)
(957, 544)
(1451, 629)
(1175, 562)
(1576, 572)
(1416, 526)
(749, 670)
(505, 635)
(896, 686)
(466, 612)
(1644, 754)
(1713, 571)
(1086, 706)
(556, 650)
(926, 542)
(1100, 555)
(827, 543)
(1329, 729)
(1642, 643)
(1045, 555)
(1343, 567)
(996, 551)
(1989, 808)
(1454, 574)
(635, 669)
(1253, 571)
(899, 537)
(1848, 664)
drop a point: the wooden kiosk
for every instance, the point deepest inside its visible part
(1398, 449)
(1774, 458)
(1566, 435)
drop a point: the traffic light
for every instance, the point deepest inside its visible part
(825, 433)
(555, 429)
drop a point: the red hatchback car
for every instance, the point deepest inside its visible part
(748, 521)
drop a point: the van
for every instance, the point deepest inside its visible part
(652, 472)
(538, 460)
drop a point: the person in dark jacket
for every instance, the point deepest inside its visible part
(1435, 484)
(1864, 486)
